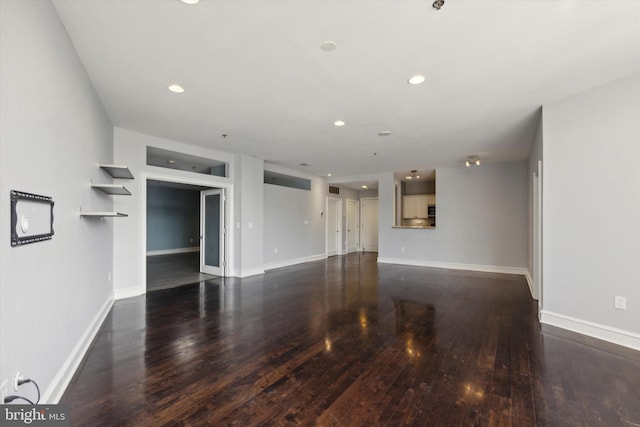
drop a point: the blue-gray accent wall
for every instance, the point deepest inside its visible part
(173, 218)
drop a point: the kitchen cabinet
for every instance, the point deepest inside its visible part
(415, 206)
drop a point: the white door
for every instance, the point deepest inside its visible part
(353, 225)
(369, 224)
(212, 232)
(334, 226)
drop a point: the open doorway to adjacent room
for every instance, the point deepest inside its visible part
(185, 234)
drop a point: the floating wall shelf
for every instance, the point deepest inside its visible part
(117, 171)
(114, 189)
(96, 214)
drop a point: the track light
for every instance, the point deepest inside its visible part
(413, 175)
(472, 160)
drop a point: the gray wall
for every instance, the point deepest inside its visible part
(249, 181)
(481, 220)
(54, 133)
(292, 221)
(591, 209)
(173, 218)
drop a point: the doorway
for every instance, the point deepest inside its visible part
(369, 224)
(353, 225)
(212, 232)
(334, 226)
(174, 230)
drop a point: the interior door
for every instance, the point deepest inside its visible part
(369, 224)
(333, 226)
(353, 235)
(212, 232)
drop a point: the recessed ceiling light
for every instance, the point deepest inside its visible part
(365, 187)
(328, 174)
(338, 123)
(328, 46)
(176, 88)
(416, 80)
(189, 2)
(384, 133)
(171, 162)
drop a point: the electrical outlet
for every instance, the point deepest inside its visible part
(19, 377)
(3, 391)
(620, 303)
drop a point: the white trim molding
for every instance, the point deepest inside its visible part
(527, 276)
(248, 272)
(455, 266)
(61, 380)
(595, 330)
(173, 251)
(294, 261)
(127, 293)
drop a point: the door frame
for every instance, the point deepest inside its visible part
(203, 182)
(537, 236)
(204, 268)
(357, 226)
(338, 213)
(362, 202)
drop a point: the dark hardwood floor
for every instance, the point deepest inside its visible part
(169, 271)
(349, 342)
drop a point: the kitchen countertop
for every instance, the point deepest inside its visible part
(414, 226)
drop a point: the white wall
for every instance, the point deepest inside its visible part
(591, 211)
(249, 218)
(129, 253)
(292, 221)
(481, 221)
(54, 133)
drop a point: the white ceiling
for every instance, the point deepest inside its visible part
(254, 70)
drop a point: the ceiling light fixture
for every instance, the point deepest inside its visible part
(365, 187)
(339, 123)
(413, 175)
(189, 2)
(328, 174)
(171, 162)
(417, 79)
(472, 160)
(328, 46)
(175, 88)
(384, 133)
(437, 5)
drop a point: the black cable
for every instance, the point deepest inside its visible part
(29, 380)
(9, 399)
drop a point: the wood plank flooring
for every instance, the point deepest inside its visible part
(171, 270)
(348, 342)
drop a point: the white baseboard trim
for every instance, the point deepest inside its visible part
(294, 261)
(173, 251)
(248, 272)
(56, 389)
(455, 266)
(530, 283)
(126, 293)
(595, 330)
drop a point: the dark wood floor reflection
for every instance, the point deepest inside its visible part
(348, 342)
